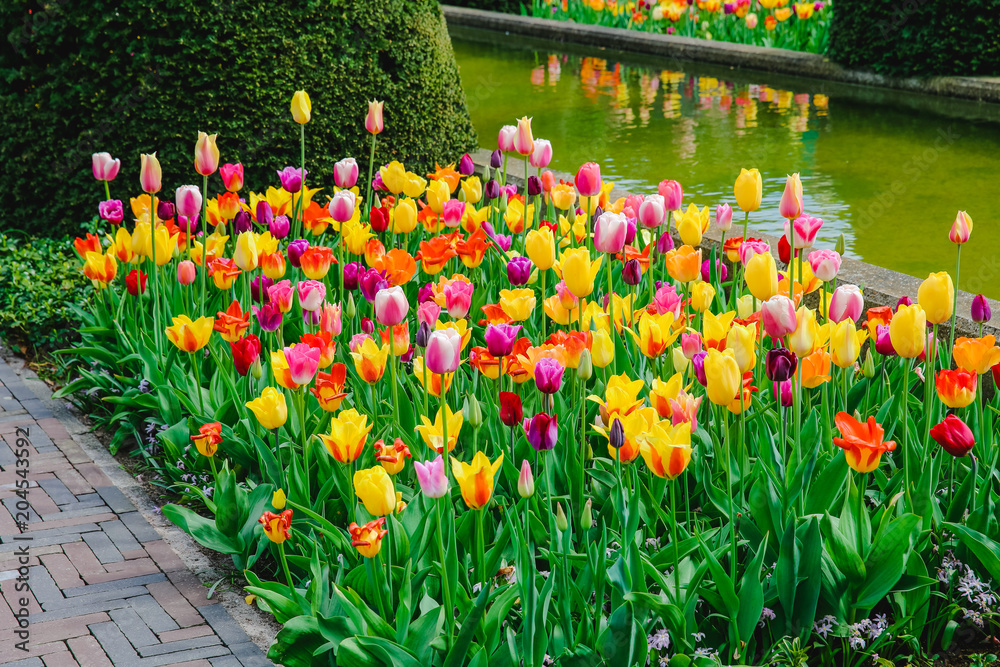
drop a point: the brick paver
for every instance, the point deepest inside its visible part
(103, 587)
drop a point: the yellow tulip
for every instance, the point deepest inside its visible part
(517, 217)
(742, 340)
(845, 343)
(472, 189)
(656, 333)
(270, 408)
(404, 217)
(908, 331)
(301, 107)
(602, 349)
(433, 432)
(370, 360)
(745, 306)
(762, 276)
(805, 339)
(437, 194)
(692, 224)
(190, 336)
(375, 489)
(702, 295)
(666, 449)
(476, 479)
(977, 355)
(348, 432)
(540, 246)
(245, 255)
(121, 246)
(517, 304)
(723, 376)
(414, 185)
(748, 189)
(715, 328)
(578, 271)
(393, 176)
(563, 196)
(937, 297)
(661, 393)
(356, 235)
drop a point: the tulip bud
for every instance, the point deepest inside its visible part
(164, 210)
(256, 369)
(616, 437)
(278, 499)
(632, 272)
(981, 311)
(496, 159)
(186, 272)
(841, 244)
(587, 520)
(868, 367)
(471, 411)
(301, 107)
(534, 186)
(367, 326)
(423, 333)
(492, 190)
(525, 481)
(466, 167)
(585, 367)
(562, 523)
(350, 310)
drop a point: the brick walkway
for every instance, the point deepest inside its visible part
(105, 589)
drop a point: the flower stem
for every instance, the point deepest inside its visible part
(449, 618)
(954, 305)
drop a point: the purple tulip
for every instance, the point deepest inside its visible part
(500, 338)
(111, 210)
(616, 436)
(720, 270)
(548, 375)
(352, 274)
(496, 159)
(242, 222)
(259, 287)
(492, 190)
(542, 431)
(423, 334)
(466, 167)
(264, 214)
(165, 210)
(519, 270)
(665, 243)
(630, 230)
(632, 272)
(905, 301)
(534, 186)
(295, 250)
(311, 317)
(377, 184)
(503, 241)
(981, 311)
(279, 227)
(371, 282)
(425, 293)
(780, 364)
(268, 316)
(883, 342)
(291, 178)
(698, 363)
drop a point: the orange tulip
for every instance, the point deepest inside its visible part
(315, 262)
(367, 539)
(329, 389)
(816, 368)
(977, 355)
(434, 254)
(862, 442)
(233, 323)
(956, 389)
(392, 457)
(684, 264)
(472, 250)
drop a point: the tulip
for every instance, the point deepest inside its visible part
(135, 282)
(232, 176)
(748, 189)
(458, 298)
(291, 178)
(981, 311)
(303, 362)
(778, 316)
(762, 276)
(444, 349)
(632, 272)
(954, 436)
(524, 143)
(466, 167)
(511, 412)
(862, 442)
(188, 198)
(742, 341)
(722, 375)
(437, 194)
(374, 487)
(276, 526)
(505, 139)
(609, 233)
(150, 175)
(208, 438)
(956, 388)
(976, 355)
(301, 107)
(845, 343)
(371, 282)
(367, 539)
(672, 194)
(245, 351)
(790, 206)
(246, 255)
(369, 360)
(311, 294)
(270, 408)
(684, 264)
(825, 264)
(961, 228)
(105, 167)
(206, 154)
(780, 364)
(579, 271)
(476, 479)
(652, 212)
(190, 336)
(373, 120)
(805, 339)
(164, 210)
(111, 210)
(341, 207)
(519, 270)
(937, 297)
(907, 331)
(548, 375)
(750, 248)
(242, 222)
(724, 217)
(540, 246)
(391, 306)
(525, 481)
(666, 449)
(541, 154)
(348, 433)
(186, 272)
(431, 477)
(692, 224)
(542, 431)
(805, 229)
(588, 179)
(345, 173)
(847, 303)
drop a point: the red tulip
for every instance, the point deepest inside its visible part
(246, 351)
(511, 412)
(954, 436)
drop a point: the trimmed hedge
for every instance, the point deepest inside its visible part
(504, 6)
(918, 37)
(129, 77)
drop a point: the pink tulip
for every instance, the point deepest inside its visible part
(791, 199)
(960, 231)
(652, 211)
(428, 312)
(609, 233)
(691, 344)
(105, 167)
(341, 207)
(549, 375)
(684, 409)
(444, 349)
(452, 212)
(232, 176)
(303, 362)
(281, 295)
(345, 173)
(541, 156)
(724, 217)
(782, 392)
(525, 481)
(672, 194)
(778, 315)
(846, 303)
(667, 300)
(373, 121)
(825, 264)
(432, 478)
(391, 306)
(330, 318)
(806, 227)
(524, 143)
(311, 294)
(588, 179)
(188, 200)
(206, 154)
(150, 175)
(632, 205)
(505, 138)
(458, 298)
(749, 249)
(186, 272)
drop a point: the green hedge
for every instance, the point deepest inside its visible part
(505, 6)
(130, 76)
(918, 37)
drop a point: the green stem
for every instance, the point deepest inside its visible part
(954, 305)
(677, 549)
(729, 491)
(480, 548)
(204, 242)
(449, 618)
(302, 434)
(197, 376)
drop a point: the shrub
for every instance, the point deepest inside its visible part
(40, 287)
(505, 6)
(923, 38)
(126, 77)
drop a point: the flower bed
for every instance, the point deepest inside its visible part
(476, 423)
(802, 26)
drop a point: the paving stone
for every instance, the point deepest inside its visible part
(11, 505)
(62, 571)
(120, 535)
(75, 513)
(45, 541)
(115, 499)
(90, 589)
(153, 614)
(135, 629)
(228, 629)
(43, 586)
(139, 527)
(226, 661)
(69, 611)
(175, 604)
(114, 643)
(164, 556)
(88, 651)
(39, 531)
(103, 547)
(177, 659)
(249, 654)
(27, 662)
(183, 645)
(96, 597)
(186, 633)
(191, 588)
(61, 659)
(57, 491)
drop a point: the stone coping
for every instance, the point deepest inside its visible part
(736, 56)
(880, 286)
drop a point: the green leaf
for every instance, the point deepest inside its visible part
(296, 642)
(982, 547)
(201, 529)
(456, 656)
(751, 597)
(885, 563)
(842, 550)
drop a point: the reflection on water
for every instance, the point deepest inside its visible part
(886, 176)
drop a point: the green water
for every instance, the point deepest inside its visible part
(888, 170)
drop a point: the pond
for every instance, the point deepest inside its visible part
(887, 169)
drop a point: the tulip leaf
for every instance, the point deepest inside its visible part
(204, 531)
(459, 650)
(751, 596)
(843, 551)
(422, 632)
(885, 563)
(809, 577)
(960, 502)
(297, 642)
(982, 547)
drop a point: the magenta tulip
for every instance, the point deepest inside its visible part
(846, 303)
(188, 200)
(652, 211)
(311, 294)
(825, 264)
(458, 298)
(609, 233)
(672, 193)
(778, 315)
(341, 207)
(303, 362)
(548, 375)
(588, 179)
(806, 227)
